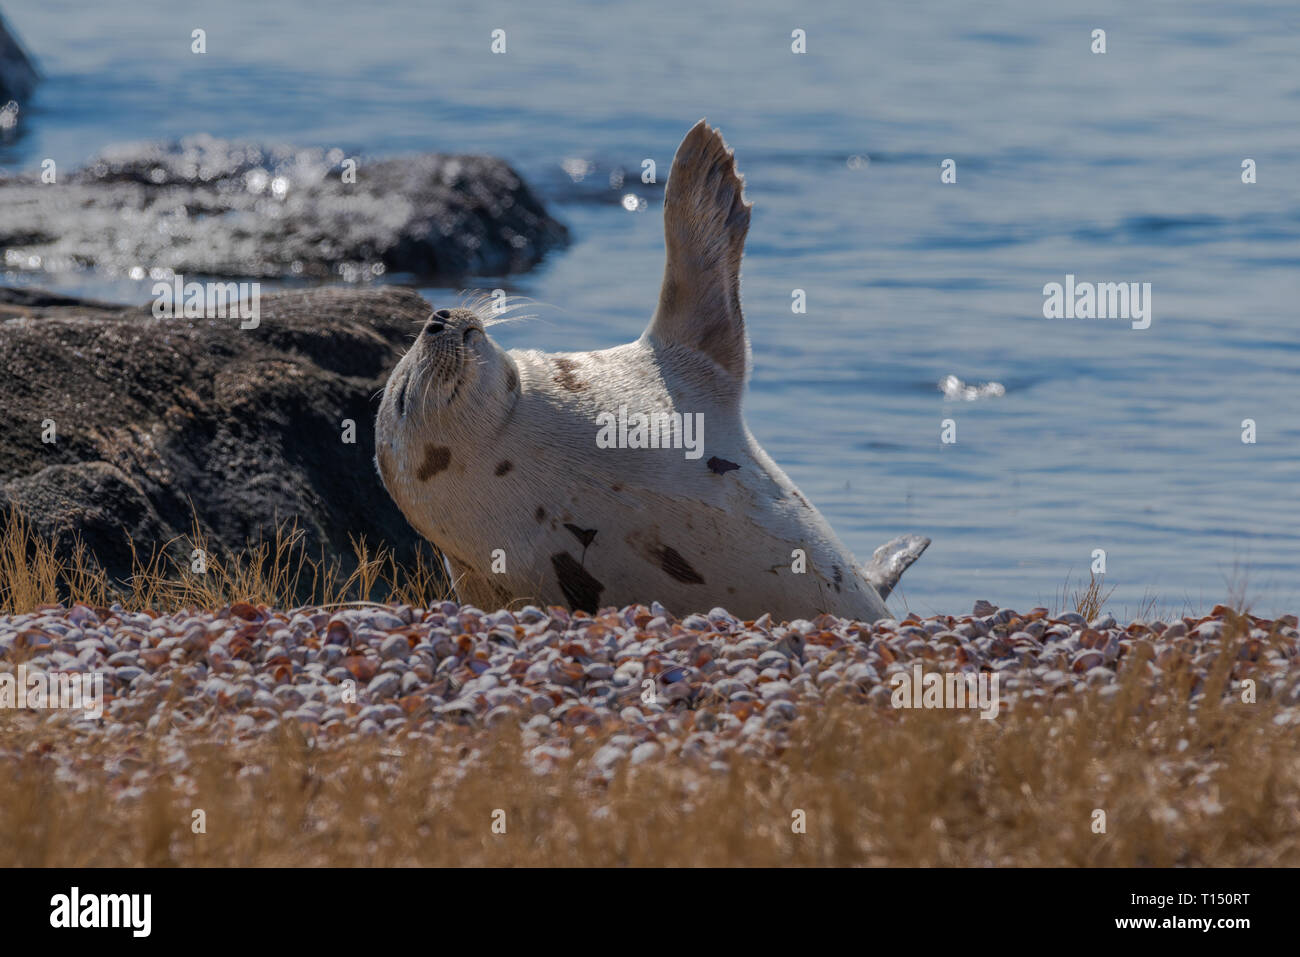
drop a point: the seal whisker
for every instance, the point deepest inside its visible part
(495, 310)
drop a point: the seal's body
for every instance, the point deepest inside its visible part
(531, 471)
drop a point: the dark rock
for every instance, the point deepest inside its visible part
(17, 75)
(210, 207)
(30, 302)
(153, 415)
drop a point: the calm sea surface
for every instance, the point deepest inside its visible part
(1117, 167)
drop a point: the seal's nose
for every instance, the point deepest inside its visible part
(438, 322)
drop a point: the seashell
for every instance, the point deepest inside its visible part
(1091, 638)
(1054, 677)
(575, 714)
(395, 647)
(646, 751)
(384, 685)
(776, 689)
(1086, 659)
(779, 712)
(1210, 630)
(678, 691)
(240, 647)
(338, 632)
(537, 672)
(673, 674)
(361, 667)
(242, 609)
(564, 672)
(741, 709)
(33, 638)
(459, 711)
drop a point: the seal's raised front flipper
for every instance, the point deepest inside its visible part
(705, 222)
(891, 559)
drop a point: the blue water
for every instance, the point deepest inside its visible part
(1116, 167)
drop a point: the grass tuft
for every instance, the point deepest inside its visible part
(275, 571)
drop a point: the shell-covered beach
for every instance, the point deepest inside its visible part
(544, 708)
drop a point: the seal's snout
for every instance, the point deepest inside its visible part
(462, 321)
(437, 322)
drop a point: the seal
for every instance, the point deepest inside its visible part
(625, 475)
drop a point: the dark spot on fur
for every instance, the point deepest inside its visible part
(436, 458)
(503, 468)
(584, 535)
(565, 376)
(721, 466)
(579, 586)
(616, 487)
(731, 590)
(803, 501)
(839, 576)
(540, 514)
(512, 380)
(671, 561)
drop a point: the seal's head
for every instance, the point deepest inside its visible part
(454, 388)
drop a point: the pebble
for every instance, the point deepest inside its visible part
(395, 646)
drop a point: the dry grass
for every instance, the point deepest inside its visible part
(877, 788)
(275, 571)
(1090, 601)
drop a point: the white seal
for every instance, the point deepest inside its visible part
(626, 475)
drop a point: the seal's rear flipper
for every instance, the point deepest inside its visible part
(891, 559)
(705, 222)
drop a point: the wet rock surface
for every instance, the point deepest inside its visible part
(210, 207)
(156, 420)
(18, 78)
(647, 686)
